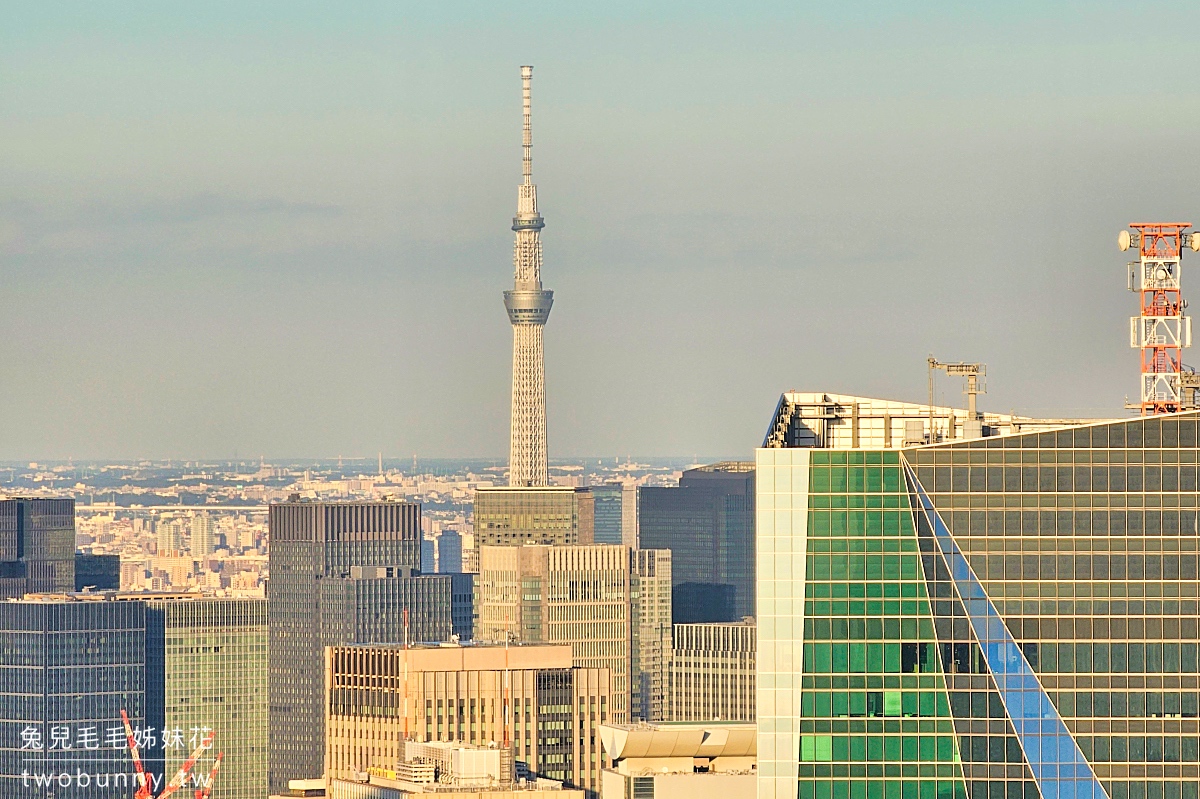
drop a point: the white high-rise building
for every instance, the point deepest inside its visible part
(169, 537)
(203, 535)
(528, 307)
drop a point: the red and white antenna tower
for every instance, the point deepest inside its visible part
(1162, 330)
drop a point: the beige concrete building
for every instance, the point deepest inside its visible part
(650, 630)
(609, 603)
(515, 515)
(531, 697)
(680, 761)
(712, 672)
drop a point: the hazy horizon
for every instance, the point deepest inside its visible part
(284, 227)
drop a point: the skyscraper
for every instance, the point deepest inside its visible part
(37, 546)
(310, 542)
(708, 524)
(450, 552)
(528, 307)
(506, 516)
(1013, 615)
(609, 513)
(70, 665)
(609, 603)
(206, 665)
(169, 537)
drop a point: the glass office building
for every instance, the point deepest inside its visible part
(68, 667)
(1007, 617)
(207, 668)
(317, 549)
(37, 546)
(707, 523)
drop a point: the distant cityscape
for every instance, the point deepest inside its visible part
(203, 524)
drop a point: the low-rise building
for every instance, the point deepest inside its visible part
(680, 761)
(526, 698)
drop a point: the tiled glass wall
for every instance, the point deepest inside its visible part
(1086, 542)
(875, 710)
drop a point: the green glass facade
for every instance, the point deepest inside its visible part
(207, 664)
(1002, 618)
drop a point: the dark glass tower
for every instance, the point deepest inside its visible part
(708, 524)
(97, 572)
(67, 669)
(609, 513)
(37, 546)
(341, 573)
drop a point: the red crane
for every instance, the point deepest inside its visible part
(206, 791)
(180, 776)
(144, 790)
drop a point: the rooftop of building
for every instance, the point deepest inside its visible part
(124, 596)
(680, 739)
(847, 421)
(473, 656)
(745, 621)
(726, 467)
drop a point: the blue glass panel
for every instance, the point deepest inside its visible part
(1058, 765)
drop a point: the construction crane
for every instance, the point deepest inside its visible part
(206, 791)
(143, 784)
(180, 776)
(144, 790)
(973, 372)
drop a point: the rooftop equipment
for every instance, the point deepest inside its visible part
(1163, 329)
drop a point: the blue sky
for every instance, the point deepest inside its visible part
(282, 228)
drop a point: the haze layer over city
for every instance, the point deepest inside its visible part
(231, 231)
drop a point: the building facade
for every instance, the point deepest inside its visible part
(97, 572)
(712, 672)
(68, 667)
(508, 516)
(204, 535)
(650, 634)
(462, 605)
(529, 698)
(450, 552)
(1013, 615)
(37, 546)
(313, 547)
(679, 761)
(609, 527)
(207, 668)
(383, 605)
(584, 597)
(707, 523)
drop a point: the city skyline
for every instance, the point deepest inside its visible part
(267, 239)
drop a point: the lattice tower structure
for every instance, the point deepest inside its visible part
(1162, 329)
(528, 306)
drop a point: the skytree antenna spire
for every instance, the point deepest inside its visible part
(528, 306)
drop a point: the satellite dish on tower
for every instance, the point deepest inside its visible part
(1124, 240)
(1194, 242)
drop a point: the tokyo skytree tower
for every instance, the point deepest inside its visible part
(528, 307)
